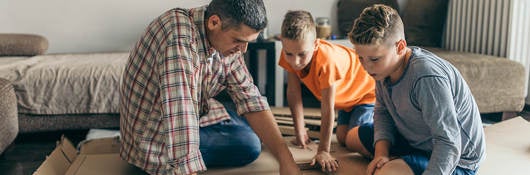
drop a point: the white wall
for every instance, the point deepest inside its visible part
(114, 25)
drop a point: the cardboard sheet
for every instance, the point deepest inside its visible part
(507, 148)
(351, 163)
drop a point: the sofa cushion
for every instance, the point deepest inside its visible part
(82, 83)
(424, 22)
(22, 44)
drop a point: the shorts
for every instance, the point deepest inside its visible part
(359, 115)
(416, 159)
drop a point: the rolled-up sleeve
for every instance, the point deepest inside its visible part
(241, 88)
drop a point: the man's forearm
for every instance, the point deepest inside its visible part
(265, 126)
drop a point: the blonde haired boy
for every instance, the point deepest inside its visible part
(426, 120)
(335, 77)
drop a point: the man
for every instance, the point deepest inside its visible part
(170, 122)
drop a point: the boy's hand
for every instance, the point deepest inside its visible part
(327, 162)
(377, 163)
(302, 139)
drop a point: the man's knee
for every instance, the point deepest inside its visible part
(248, 148)
(250, 153)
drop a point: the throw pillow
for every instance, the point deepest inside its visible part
(424, 22)
(22, 45)
(349, 10)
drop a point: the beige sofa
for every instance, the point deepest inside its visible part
(60, 91)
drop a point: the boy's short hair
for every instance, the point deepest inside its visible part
(235, 12)
(298, 25)
(377, 25)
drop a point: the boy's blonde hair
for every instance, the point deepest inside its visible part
(377, 24)
(298, 25)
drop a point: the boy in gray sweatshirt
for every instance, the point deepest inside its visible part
(426, 120)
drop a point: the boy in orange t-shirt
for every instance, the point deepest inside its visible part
(336, 78)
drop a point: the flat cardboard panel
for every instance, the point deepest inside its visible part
(101, 146)
(507, 148)
(100, 164)
(286, 112)
(351, 163)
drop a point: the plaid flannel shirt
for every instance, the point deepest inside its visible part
(167, 93)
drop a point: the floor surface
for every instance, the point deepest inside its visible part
(28, 151)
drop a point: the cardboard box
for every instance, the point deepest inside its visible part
(99, 156)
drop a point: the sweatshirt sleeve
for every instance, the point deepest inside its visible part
(435, 98)
(384, 127)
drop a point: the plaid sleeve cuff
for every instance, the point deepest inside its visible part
(191, 163)
(255, 104)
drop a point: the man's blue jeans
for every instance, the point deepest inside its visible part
(229, 143)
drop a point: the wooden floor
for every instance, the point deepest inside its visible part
(28, 151)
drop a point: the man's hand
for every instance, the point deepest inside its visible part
(377, 163)
(302, 139)
(327, 162)
(265, 126)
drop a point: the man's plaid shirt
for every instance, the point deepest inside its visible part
(168, 84)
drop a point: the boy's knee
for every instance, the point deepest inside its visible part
(353, 143)
(395, 167)
(341, 132)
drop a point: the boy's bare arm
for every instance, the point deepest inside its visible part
(328, 118)
(327, 162)
(294, 100)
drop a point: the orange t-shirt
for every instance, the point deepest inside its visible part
(339, 65)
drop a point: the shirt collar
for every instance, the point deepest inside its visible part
(199, 18)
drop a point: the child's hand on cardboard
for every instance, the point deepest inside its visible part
(302, 139)
(327, 162)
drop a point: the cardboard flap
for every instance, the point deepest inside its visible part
(59, 160)
(101, 146)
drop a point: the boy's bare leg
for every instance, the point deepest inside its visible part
(353, 142)
(341, 132)
(395, 167)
